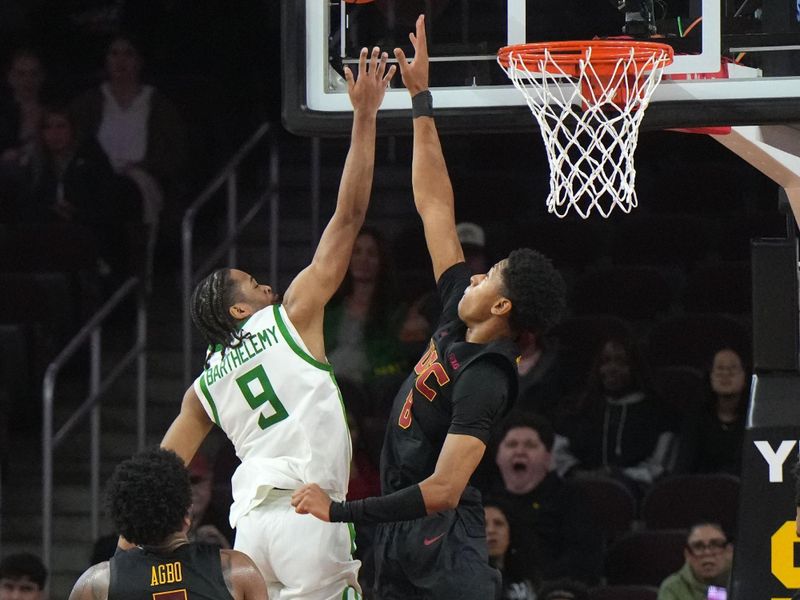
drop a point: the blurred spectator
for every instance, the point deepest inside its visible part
(498, 542)
(540, 377)
(21, 106)
(712, 434)
(552, 533)
(619, 426)
(709, 555)
(208, 526)
(362, 320)
(139, 129)
(22, 577)
(473, 242)
(20, 114)
(72, 183)
(563, 589)
(365, 479)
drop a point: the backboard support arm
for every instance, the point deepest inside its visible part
(775, 151)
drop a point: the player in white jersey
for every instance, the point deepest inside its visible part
(268, 385)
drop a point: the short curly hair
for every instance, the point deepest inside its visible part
(536, 289)
(21, 565)
(148, 496)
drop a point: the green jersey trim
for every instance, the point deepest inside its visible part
(346, 595)
(352, 529)
(209, 399)
(276, 309)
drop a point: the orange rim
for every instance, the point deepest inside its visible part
(604, 56)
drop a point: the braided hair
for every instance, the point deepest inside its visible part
(211, 300)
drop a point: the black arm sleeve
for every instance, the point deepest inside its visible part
(480, 398)
(402, 505)
(451, 286)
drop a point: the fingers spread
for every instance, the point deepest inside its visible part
(402, 61)
(382, 66)
(348, 75)
(422, 40)
(362, 61)
(373, 60)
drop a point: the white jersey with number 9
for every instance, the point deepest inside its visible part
(282, 410)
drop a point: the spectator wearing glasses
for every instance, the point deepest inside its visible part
(708, 555)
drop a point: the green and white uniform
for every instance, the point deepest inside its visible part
(282, 410)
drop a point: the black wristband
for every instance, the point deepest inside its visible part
(422, 104)
(403, 505)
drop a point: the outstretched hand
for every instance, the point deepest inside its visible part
(415, 73)
(311, 500)
(368, 89)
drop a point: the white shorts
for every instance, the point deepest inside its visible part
(299, 556)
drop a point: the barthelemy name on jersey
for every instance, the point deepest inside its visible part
(251, 346)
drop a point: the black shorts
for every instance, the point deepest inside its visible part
(438, 557)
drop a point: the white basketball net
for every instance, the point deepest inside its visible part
(590, 127)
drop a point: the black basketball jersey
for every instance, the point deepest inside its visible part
(422, 411)
(190, 572)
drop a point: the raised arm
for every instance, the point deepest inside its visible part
(313, 287)
(433, 193)
(189, 428)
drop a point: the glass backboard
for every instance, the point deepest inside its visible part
(737, 61)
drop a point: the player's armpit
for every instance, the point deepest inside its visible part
(189, 428)
(457, 461)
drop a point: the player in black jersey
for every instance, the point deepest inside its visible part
(430, 543)
(148, 500)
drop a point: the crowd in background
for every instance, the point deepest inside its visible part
(113, 153)
(569, 429)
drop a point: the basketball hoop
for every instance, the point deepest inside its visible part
(589, 99)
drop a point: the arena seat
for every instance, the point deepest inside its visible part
(678, 240)
(637, 293)
(624, 592)
(645, 557)
(570, 244)
(612, 504)
(680, 501)
(724, 288)
(692, 340)
(47, 248)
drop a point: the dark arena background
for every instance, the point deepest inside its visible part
(246, 142)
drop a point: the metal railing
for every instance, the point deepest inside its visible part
(228, 176)
(92, 331)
